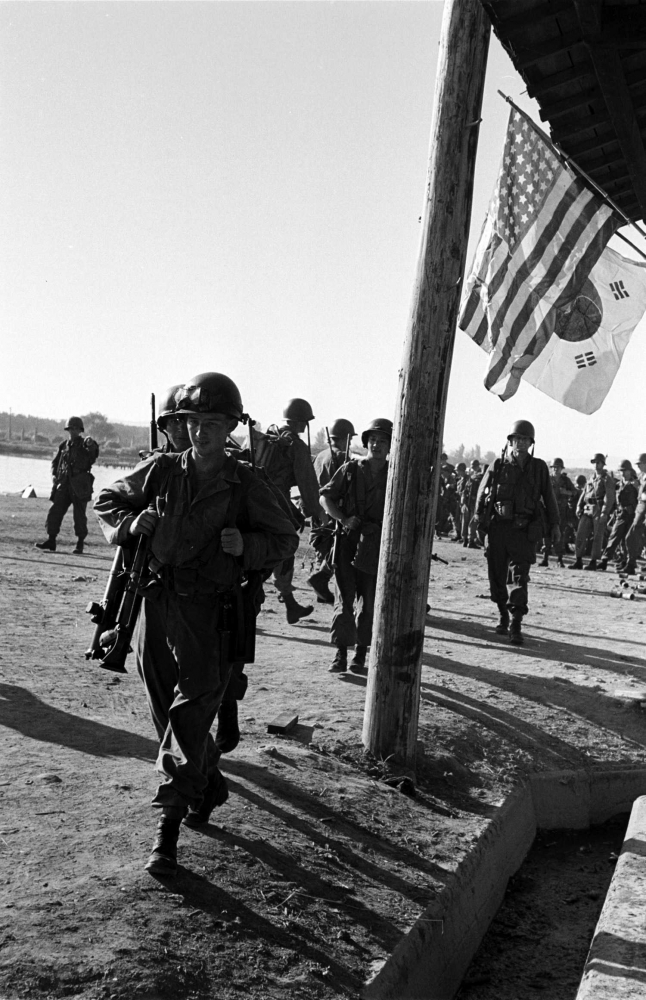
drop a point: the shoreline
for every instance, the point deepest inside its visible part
(19, 449)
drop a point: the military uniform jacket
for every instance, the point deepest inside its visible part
(598, 492)
(72, 463)
(627, 496)
(326, 463)
(523, 488)
(300, 473)
(362, 494)
(564, 490)
(187, 536)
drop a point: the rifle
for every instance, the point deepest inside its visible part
(439, 559)
(152, 435)
(338, 527)
(491, 498)
(116, 615)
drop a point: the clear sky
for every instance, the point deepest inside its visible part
(236, 186)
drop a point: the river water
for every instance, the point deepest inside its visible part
(18, 472)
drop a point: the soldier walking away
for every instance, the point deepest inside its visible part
(355, 497)
(635, 535)
(72, 485)
(326, 463)
(514, 496)
(564, 490)
(626, 500)
(210, 523)
(593, 510)
(294, 469)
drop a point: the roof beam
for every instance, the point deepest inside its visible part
(612, 82)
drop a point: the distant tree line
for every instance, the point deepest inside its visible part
(43, 430)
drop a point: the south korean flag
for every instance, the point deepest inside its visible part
(580, 360)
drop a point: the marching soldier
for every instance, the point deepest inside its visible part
(355, 497)
(73, 482)
(635, 535)
(468, 495)
(564, 490)
(295, 470)
(514, 492)
(326, 463)
(210, 521)
(593, 509)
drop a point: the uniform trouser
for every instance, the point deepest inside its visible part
(589, 525)
(185, 676)
(468, 532)
(510, 554)
(619, 531)
(635, 536)
(283, 576)
(352, 585)
(62, 499)
(559, 547)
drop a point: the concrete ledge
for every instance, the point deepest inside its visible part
(616, 965)
(431, 960)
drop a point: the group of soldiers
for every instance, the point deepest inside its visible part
(220, 522)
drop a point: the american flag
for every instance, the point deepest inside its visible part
(543, 233)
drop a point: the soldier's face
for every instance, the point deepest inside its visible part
(599, 467)
(208, 433)
(74, 433)
(378, 445)
(339, 443)
(520, 444)
(177, 433)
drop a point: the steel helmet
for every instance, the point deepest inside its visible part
(298, 409)
(598, 457)
(342, 428)
(642, 459)
(558, 463)
(475, 464)
(626, 465)
(74, 423)
(461, 467)
(167, 405)
(382, 425)
(209, 392)
(522, 428)
(581, 480)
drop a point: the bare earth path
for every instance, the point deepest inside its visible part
(314, 868)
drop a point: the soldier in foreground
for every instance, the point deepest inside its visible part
(326, 463)
(355, 497)
(210, 522)
(73, 482)
(512, 495)
(593, 509)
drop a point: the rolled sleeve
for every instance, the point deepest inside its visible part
(118, 504)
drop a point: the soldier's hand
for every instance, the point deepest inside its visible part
(555, 534)
(144, 523)
(232, 541)
(351, 522)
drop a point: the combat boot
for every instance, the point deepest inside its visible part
(515, 633)
(215, 794)
(48, 546)
(358, 661)
(591, 565)
(78, 550)
(577, 564)
(559, 562)
(627, 570)
(502, 628)
(340, 661)
(603, 565)
(544, 562)
(319, 583)
(227, 735)
(163, 860)
(295, 611)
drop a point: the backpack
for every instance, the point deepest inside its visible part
(274, 452)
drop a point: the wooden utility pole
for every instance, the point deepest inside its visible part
(392, 701)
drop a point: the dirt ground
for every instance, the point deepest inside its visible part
(311, 872)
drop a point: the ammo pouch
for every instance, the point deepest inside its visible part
(591, 509)
(504, 510)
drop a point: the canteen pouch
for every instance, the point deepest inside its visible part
(504, 510)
